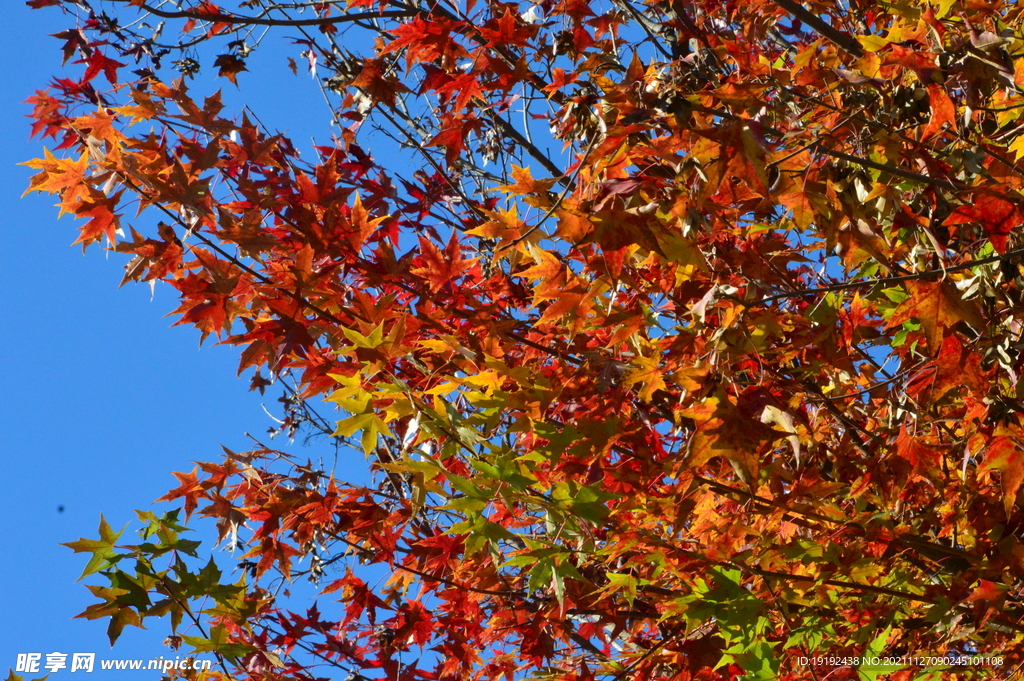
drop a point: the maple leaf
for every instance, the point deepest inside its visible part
(209, 9)
(375, 78)
(74, 40)
(440, 267)
(466, 88)
(535, 191)
(417, 623)
(99, 63)
(47, 112)
(724, 430)
(144, 108)
(996, 214)
(99, 126)
(920, 62)
(648, 373)
(190, 488)
(423, 40)
(507, 30)
(943, 111)
(987, 598)
(453, 139)
(955, 367)
(924, 458)
(229, 66)
(102, 549)
(1003, 453)
(362, 225)
(368, 424)
(937, 306)
(103, 221)
(60, 176)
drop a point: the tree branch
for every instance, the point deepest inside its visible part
(847, 42)
(887, 280)
(262, 21)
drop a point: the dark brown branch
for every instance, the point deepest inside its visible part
(847, 42)
(881, 590)
(887, 280)
(513, 134)
(892, 170)
(263, 21)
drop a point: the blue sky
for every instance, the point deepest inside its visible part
(101, 399)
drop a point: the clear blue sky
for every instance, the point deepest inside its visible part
(100, 398)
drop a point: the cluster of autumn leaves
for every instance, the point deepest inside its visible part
(736, 384)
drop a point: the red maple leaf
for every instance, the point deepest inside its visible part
(100, 63)
(997, 215)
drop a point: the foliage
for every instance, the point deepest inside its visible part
(730, 380)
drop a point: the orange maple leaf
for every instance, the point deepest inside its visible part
(437, 267)
(99, 125)
(362, 224)
(724, 430)
(1004, 454)
(190, 488)
(937, 305)
(59, 176)
(103, 223)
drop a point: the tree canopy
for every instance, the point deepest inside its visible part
(682, 338)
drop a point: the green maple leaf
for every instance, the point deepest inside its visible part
(102, 549)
